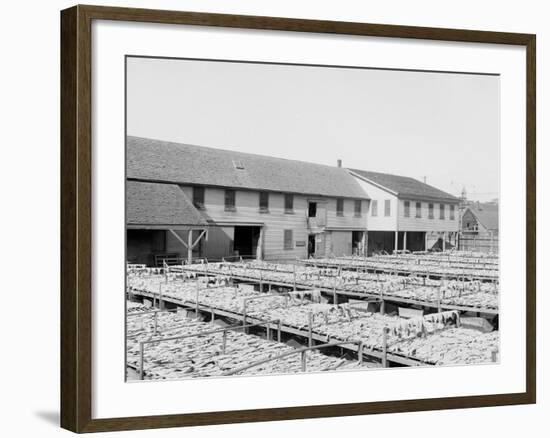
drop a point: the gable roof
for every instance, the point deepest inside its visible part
(405, 187)
(156, 160)
(486, 214)
(150, 204)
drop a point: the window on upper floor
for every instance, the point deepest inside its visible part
(264, 202)
(287, 244)
(452, 212)
(289, 203)
(198, 197)
(230, 200)
(374, 208)
(339, 207)
(441, 211)
(419, 210)
(430, 211)
(357, 208)
(407, 209)
(387, 207)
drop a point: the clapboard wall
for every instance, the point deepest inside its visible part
(424, 222)
(276, 220)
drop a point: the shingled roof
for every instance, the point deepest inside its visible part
(486, 214)
(406, 187)
(156, 160)
(154, 204)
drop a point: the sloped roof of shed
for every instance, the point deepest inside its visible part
(487, 214)
(156, 160)
(406, 187)
(159, 204)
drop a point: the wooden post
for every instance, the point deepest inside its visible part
(190, 246)
(156, 322)
(365, 243)
(161, 304)
(425, 241)
(310, 329)
(197, 300)
(304, 361)
(360, 353)
(384, 347)
(294, 271)
(261, 281)
(444, 246)
(279, 331)
(396, 246)
(141, 361)
(260, 248)
(404, 240)
(224, 341)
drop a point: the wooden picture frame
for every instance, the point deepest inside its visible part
(76, 217)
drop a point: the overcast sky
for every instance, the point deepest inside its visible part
(441, 126)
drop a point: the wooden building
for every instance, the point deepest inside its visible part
(405, 213)
(480, 227)
(480, 219)
(217, 203)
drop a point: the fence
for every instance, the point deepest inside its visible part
(487, 244)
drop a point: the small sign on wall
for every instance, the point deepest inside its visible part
(300, 243)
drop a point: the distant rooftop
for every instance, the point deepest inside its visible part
(406, 187)
(486, 213)
(155, 160)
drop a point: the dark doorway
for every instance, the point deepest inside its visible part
(357, 242)
(381, 241)
(245, 241)
(311, 246)
(312, 209)
(143, 245)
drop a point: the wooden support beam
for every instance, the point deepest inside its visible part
(180, 240)
(190, 246)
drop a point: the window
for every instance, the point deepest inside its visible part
(357, 208)
(340, 207)
(198, 197)
(374, 208)
(387, 207)
(312, 209)
(288, 239)
(430, 211)
(452, 212)
(238, 164)
(441, 211)
(264, 202)
(407, 209)
(289, 203)
(230, 200)
(419, 209)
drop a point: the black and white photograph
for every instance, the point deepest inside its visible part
(295, 218)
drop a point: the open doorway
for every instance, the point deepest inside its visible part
(312, 209)
(245, 241)
(311, 246)
(357, 242)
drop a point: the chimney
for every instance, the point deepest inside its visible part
(339, 163)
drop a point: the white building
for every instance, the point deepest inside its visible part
(405, 213)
